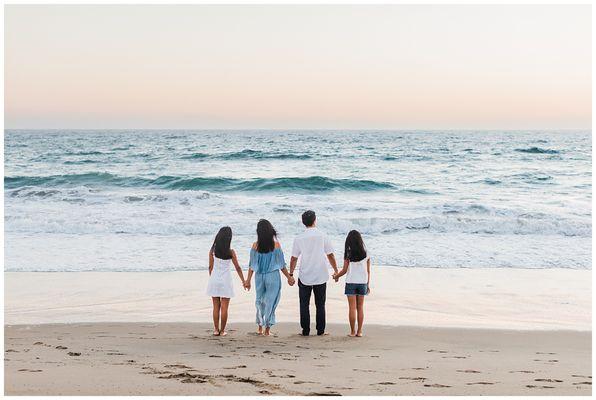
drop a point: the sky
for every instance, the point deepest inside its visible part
(298, 67)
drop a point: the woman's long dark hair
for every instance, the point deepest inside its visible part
(354, 249)
(266, 235)
(221, 244)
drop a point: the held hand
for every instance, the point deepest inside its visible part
(247, 285)
(291, 280)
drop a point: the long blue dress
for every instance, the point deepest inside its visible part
(267, 283)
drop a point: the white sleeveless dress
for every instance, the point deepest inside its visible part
(220, 281)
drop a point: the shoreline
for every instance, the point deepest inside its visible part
(513, 299)
(184, 359)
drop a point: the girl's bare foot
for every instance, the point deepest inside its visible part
(260, 331)
(352, 334)
(215, 333)
(359, 334)
(223, 333)
(267, 331)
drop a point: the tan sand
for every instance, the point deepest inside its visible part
(184, 359)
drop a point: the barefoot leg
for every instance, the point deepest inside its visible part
(216, 307)
(352, 314)
(360, 309)
(225, 302)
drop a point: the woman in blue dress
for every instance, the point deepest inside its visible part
(266, 260)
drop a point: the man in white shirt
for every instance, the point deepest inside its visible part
(314, 249)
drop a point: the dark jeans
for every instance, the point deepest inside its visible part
(320, 295)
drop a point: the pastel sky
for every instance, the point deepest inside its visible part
(298, 67)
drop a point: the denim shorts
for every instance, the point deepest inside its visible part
(356, 289)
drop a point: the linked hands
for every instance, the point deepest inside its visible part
(291, 280)
(246, 285)
(335, 276)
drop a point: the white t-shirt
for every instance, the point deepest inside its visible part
(358, 271)
(311, 248)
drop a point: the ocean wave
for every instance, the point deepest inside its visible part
(195, 156)
(532, 177)
(248, 154)
(296, 184)
(181, 221)
(86, 153)
(537, 150)
(81, 162)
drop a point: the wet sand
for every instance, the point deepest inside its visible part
(184, 359)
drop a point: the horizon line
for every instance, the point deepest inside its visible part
(304, 129)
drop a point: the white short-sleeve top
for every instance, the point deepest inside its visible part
(311, 248)
(357, 272)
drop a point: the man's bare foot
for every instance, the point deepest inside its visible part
(351, 334)
(359, 334)
(260, 331)
(267, 331)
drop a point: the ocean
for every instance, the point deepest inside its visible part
(141, 200)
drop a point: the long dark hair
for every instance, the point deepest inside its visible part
(354, 249)
(266, 235)
(221, 244)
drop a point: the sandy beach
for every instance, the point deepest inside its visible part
(182, 358)
(428, 331)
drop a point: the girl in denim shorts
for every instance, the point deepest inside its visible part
(357, 268)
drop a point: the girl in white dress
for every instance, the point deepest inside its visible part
(219, 287)
(357, 268)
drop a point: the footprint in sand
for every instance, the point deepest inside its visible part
(436, 351)
(237, 366)
(459, 357)
(481, 383)
(61, 347)
(539, 387)
(73, 353)
(30, 370)
(324, 394)
(548, 380)
(582, 383)
(468, 371)
(384, 383)
(416, 378)
(538, 352)
(177, 366)
(436, 385)
(522, 372)
(582, 376)
(215, 356)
